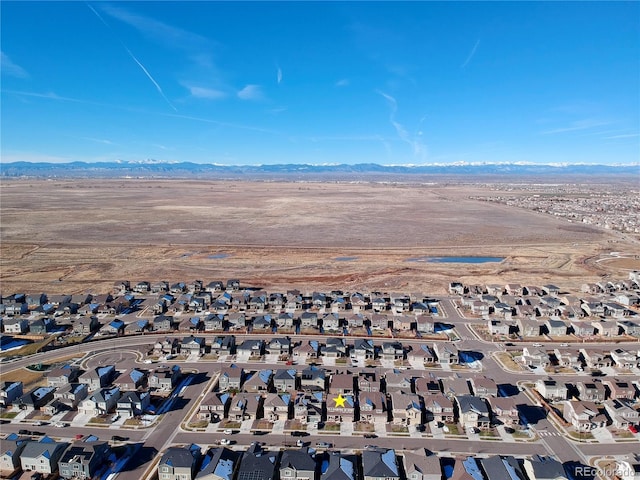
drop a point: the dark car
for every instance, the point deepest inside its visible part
(118, 438)
(370, 435)
(22, 431)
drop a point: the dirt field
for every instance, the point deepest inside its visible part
(83, 235)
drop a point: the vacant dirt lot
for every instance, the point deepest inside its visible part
(71, 236)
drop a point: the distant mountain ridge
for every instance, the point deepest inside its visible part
(188, 170)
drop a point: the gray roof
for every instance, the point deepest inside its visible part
(380, 463)
(220, 462)
(47, 449)
(341, 467)
(298, 460)
(179, 457)
(257, 464)
(470, 403)
(497, 468)
(547, 467)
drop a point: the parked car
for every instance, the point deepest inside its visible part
(633, 429)
(22, 431)
(60, 424)
(537, 345)
(564, 344)
(228, 431)
(324, 445)
(118, 438)
(225, 441)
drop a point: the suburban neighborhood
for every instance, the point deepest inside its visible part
(348, 385)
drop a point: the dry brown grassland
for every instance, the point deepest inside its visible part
(68, 236)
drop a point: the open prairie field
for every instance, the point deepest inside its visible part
(81, 235)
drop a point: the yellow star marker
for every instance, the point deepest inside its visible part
(340, 400)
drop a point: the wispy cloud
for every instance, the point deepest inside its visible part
(206, 93)
(49, 96)
(104, 141)
(624, 135)
(251, 92)
(8, 67)
(577, 125)
(133, 57)
(279, 75)
(416, 144)
(471, 54)
(343, 82)
(158, 31)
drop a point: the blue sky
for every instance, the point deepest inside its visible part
(333, 82)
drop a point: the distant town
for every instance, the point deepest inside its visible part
(237, 383)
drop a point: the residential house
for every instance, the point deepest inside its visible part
(584, 416)
(235, 320)
(620, 389)
(591, 391)
(439, 408)
(42, 456)
(551, 389)
(279, 346)
(306, 351)
(42, 326)
(380, 464)
(213, 322)
(567, 358)
(425, 325)
(259, 381)
(15, 325)
(404, 323)
(528, 327)
(257, 463)
(71, 395)
(213, 406)
(406, 408)
(496, 467)
(313, 379)
(168, 346)
(284, 320)
(276, 406)
(98, 377)
(85, 325)
(284, 380)
(84, 460)
(621, 413)
(341, 383)
(9, 392)
(606, 328)
(534, 357)
(422, 354)
(244, 406)
(544, 468)
(223, 344)
(164, 379)
(331, 322)
(10, 450)
(340, 467)
(484, 387)
(100, 402)
(582, 329)
(179, 463)
(219, 464)
(250, 349)
(261, 323)
(379, 322)
(340, 407)
(355, 320)
(363, 350)
(307, 407)
(34, 399)
(334, 348)
(130, 380)
(164, 323)
(230, 378)
(392, 351)
(427, 385)
(455, 385)
(308, 320)
(596, 358)
(498, 327)
(132, 404)
(373, 407)
(397, 381)
(556, 327)
(473, 411)
(297, 465)
(624, 358)
(447, 353)
(422, 465)
(505, 410)
(192, 346)
(367, 382)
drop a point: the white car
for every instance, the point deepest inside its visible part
(225, 441)
(564, 344)
(60, 424)
(228, 431)
(537, 344)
